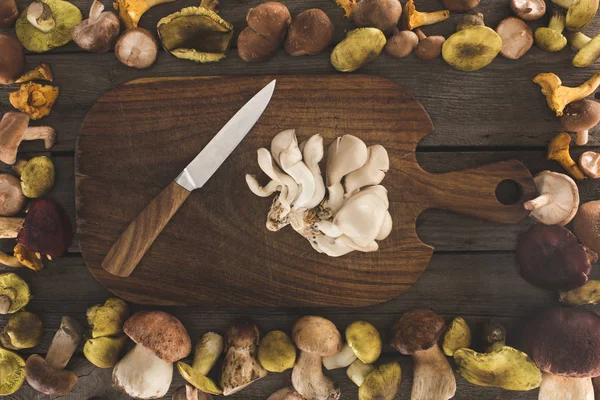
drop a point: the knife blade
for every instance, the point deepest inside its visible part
(134, 242)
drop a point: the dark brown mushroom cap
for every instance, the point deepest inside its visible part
(159, 332)
(564, 341)
(270, 20)
(47, 229)
(581, 115)
(528, 10)
(550, 257)
(12, 199)
(12, 59)
(317, 335)
(380, 14)
(586, 224)
(310, 33)
(242, 334)
(417, 330)
(48, 380)
(8, 13)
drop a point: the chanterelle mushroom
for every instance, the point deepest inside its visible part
(563, 342)
(130, 11)
(411, 18)
(528, 10)
(316, 337)
(34, 99)
(42, 72)
(416, 334)
(557, 201)
(580, 12)
(48, 375)
(580, 117)
(207, 352)
(147, 370)
(558, 150)
(559, 96)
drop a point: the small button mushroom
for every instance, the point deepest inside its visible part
(276, 352)
(99, 32)
(8, 13)
(12, 59)
(579, 13)
(589, 162)
(580, 117)
(240, 367)
(14, 293)
(358, 48)
(13, 372)
(310, 33)
(586, 225)
(37, 177)
(316, 337)
(411, 18)
(23, 331)
(382, 383)
(206, 354)
(268, 24)
(559, 96)
(460, 6)
(528, 10)
(12, 199)
(402, 44)
(429, 48)
(563, 343)
(558, 150)
(362, 341)
(551, 258)
(557, 201)
(48, 376)
(130, 11)
(472, 48)
(381, 14)
(42, 72)
(551, 38)
(517, 37)
(416, 334)
(136, 48)
(457, 336)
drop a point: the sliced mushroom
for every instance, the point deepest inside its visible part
(580, 117)
(517, 37)
(528, 10)
(557, 201)
(589, 162)
(137, 48)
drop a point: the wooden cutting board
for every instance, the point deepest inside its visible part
(216, 251)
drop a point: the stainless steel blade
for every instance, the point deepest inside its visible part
(208, 161)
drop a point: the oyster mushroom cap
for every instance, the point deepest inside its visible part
(361, 217)
(136, 48)
(528, 10)
(557, 201)
(8, 13)
(13, 371)
(99, 32)
(472, 49)
(286, 152)
(313, 154)
(12, 59)
(12, 199)
(589, 162)
(345, 155)
(517, 37)
(381, 14)
(580, 117)
(402, 44)
(558, 149)
(586, 224)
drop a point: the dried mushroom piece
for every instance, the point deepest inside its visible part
(47, 24)
(130, 11)
(360, 47)
(34, 99)
(196, 33)
(14, 293)
(13, 372)
(42, 72)
(402, 44)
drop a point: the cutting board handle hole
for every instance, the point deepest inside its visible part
(509, 192)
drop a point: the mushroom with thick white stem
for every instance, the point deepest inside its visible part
(14, 128)
(557, 201)
(416, 334)
(206, 354)
(580, 117)
(48, 376)
(362, 341)
(147, 370)
(316, 337)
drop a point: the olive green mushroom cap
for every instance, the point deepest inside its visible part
(37, 177)
(360, 47)
(276, 352)
(197, 34)
(382, 383)
(12, 368)
(14, 293)
(23, 331)
(472, 49)
(198, 380)
(364, 340)
(580, 13)
(66, 15)
(105, 351)
(550, 39)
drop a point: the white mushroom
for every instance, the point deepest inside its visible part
(372, 173)
(313, 154)
(557, 201)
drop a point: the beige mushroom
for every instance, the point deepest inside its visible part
(12, 199)
(528, 10)
(517, 37)
(580, 117)
(402, 44)
(557, 201)
(589, 162)
(429, 47)
(14, 129)
(188, 392)
(137, 48)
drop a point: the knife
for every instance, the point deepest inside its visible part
(129, 249)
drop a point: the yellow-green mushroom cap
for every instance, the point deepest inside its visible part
(580, 13)
(105, 352)
(457, 336)
(14, 293)
(549, 39)
(382, 383)
(37, 177)
(276, 352)
(12, 372)
(364, 339)
(196, 379)
(23, 331)
(66, 16)
(472, 49)
(107, 319)
(206, 353)
(360, 47)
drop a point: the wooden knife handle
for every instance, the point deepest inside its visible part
(129, 249)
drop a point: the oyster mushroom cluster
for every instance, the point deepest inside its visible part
(345, 212)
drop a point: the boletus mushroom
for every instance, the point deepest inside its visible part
(206, 353)
(13, 372)
(14, 293)
(98, 33)
(586, 224)
(457, 336)
(416, 334)
(559, 96)
(551, 258)
(137, 48)
(12, 199)
(147, 370)
(563, 342)
(381, 14)
(358, 48)
(579, 12)
(310, 33)
(8, 13)
(12, 59)
(316, 337)
(517, 37)
(188, 392)
(240, 367)
(528, 10)
(411, 18)
(589, 162)
(557, 201)
(48, 376)
(46, 24)
(363, 342)
(580, 117)
(429, 48)
(23, 331)
(268, 25)
(130, 11)
(276, 352)
(402, 44)
(196, 33)
(558, 150)
(551, 38)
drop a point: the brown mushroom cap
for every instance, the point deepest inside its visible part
(268, 24)
(159, 332)
(564, 341)
(460, 6)
(12, 128)
(12, 59)
(402, 44)
(586, 224)
(136, 48)
(589, 162)
(12, 199)
(381, 14)
(528, 10)
(430, 48)
(517, 37)
(8, 13)
(242, 333)
(317, 335)
(417, 330)
(581, 115)
(47, 380)
(310, 33)
(550, 257)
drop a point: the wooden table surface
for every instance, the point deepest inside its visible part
(490, 115)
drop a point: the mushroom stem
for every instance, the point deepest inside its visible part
(39, 15)
(340, 360)
(430, 18)
(10, 227)
(579, 40)
(95, 10)
(582, 137)
(309, 381)
(555, 387)
(538, 202)
(420, 34)
(358, 371)
(9, 261)
(433, 378)
(45, 133)
(207, 353)
(557, 21)
(64, 343)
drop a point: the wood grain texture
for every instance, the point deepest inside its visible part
(219, 242)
